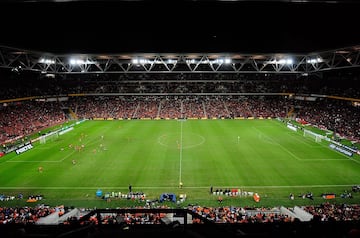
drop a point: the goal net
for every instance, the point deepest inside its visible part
(49, 137)
(313, 135)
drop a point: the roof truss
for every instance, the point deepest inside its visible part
(20, 59)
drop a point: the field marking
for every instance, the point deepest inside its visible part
(293, 155)
(161, 138)
(190, 187)
(309, 160)
(266, 138)
(305, 142)
(180, 152)
(314, 147)
(345, 156)
(93, 141)
(33, 161)
(42, 161)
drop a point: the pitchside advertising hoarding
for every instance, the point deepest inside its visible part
(23, 148)
(340, 149)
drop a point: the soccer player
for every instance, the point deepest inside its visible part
(40, 169)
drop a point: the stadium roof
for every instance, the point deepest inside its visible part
(62, 27)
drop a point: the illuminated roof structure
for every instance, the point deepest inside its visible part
(20, 59)
(69, 37)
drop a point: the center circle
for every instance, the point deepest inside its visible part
(184, 141)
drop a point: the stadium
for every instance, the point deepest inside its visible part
(181, 131)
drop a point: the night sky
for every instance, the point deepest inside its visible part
(172, 26)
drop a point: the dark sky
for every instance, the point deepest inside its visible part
(173, 26)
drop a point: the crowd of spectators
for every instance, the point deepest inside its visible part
(26, 215)
(334, 212)
(204, 95)
(223, 214)
(21, 119)
(175, 96)
(27, 84)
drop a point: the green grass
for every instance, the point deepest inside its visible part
(153, 156)
(327, 133)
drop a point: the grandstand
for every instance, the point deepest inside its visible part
(202, 143)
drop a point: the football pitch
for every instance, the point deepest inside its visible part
(154, 156)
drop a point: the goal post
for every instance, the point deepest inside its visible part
(49, 137)
(315, 136)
